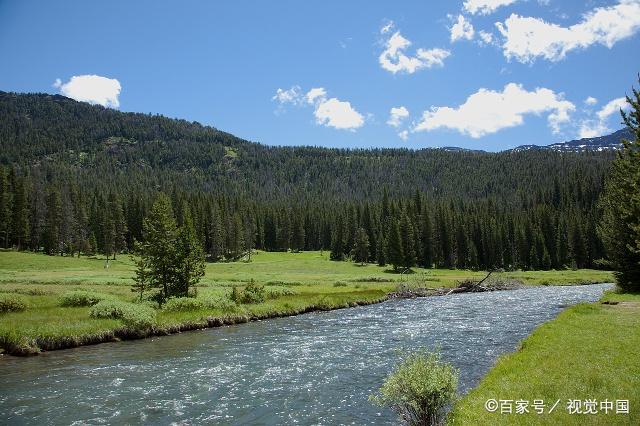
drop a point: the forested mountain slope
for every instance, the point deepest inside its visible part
(77, 177)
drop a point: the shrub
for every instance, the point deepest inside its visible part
(340, 284)
(420, 389)
(252, 293)
(219, 302)
(182, 304)
(132, 314)
(82, 298)
(283, 283)
(12, 303)
(276, 291)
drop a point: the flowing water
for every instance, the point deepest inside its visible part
(316, 368)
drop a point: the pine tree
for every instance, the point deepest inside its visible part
(5, 209)
(426, 241)
(158, 249)
(189, 259)
(20, 221)
(407, 241)
(381, 250)
(297, 237)
(620, 225)
(337, 241)
(216, 236)
(52, 239)
(360, 252)
(394, 254)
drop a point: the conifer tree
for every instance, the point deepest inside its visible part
(394, 254)
(337, 241)
(52, 239)
(158, 249)
(360, 252)
(5, 209)
(381, 249)
(189, 260)
(620, 225)
(407, 242)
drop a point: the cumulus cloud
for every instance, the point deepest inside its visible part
(94, 89)
(338, 114)
(488, 111)
(330, 112)
(397, 115)
(590, 101)
(598, 126)
(527, 38)
(461, 29)
(394, 59)
(484, 7)
(404, 135)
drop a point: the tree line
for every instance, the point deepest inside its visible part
(402, 232)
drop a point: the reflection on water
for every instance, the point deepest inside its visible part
(317, 368)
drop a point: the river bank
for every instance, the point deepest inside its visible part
(588, 353)
(299, 283)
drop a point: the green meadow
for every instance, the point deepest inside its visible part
(296, 283)
(589, 352)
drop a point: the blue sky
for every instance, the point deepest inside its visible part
(481, 74)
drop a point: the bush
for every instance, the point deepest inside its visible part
(12, 303)
(175, 304)
(340, 284)
(276, 291)
(252, 293)
(219, 302)
(420, 389)
(82, 298)
(133, 315)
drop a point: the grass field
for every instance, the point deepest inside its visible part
(317, 283)
(589, 352)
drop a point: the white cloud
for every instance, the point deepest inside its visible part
(315, 93)
(338, 114)
(94, 89)
(488, 111)
(590, 101)
(612, 107)
(404, 135)
(485, 37)
(462, 29)
(485, 7)
(394, 59)
(289, 96)
(328, 112)
(598, 126)
(397, 115)
(527, 39)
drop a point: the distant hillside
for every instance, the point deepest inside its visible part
(602, 143)
(56, 136)
(81, 178)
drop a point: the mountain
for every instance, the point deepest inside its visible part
(59, 138)
(76, 178)
(603, 143)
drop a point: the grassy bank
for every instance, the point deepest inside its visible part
(590, 351)
(309, 280)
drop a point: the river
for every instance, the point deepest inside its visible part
(317, 368)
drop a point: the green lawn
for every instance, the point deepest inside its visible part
(42, 279)
(590, 351)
